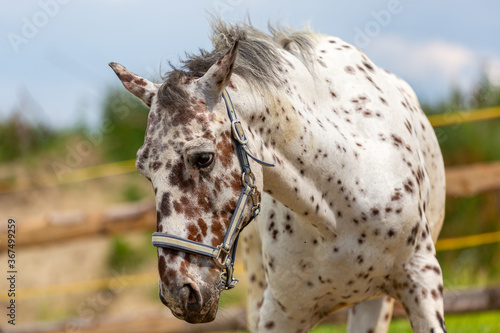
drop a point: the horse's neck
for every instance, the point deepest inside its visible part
(287, 130)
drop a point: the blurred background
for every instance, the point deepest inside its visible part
(69, 133)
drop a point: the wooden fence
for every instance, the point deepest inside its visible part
(461, 181)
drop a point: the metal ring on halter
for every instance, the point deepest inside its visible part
(252, 179)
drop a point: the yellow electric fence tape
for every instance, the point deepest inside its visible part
(467, 241)
(99, 171)
(447, 119)
(74, 176)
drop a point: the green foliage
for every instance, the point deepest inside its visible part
(237, 296)
(123, 125)
(476, 265)
(471, 267)
(19, 139)
(132, 192)
(463, 144)
(125, 256)
(469, 142)
(118, 136)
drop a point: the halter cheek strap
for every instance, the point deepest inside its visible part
(224, 254)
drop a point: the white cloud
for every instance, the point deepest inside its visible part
(433, 64)
(492, 67)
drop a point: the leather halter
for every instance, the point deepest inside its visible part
(224, 254)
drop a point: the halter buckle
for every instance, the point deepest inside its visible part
(238, 133)
(228, 282)
(222, 249)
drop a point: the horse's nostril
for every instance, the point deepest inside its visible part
(192, 298)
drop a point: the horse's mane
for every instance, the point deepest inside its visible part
(259, 60)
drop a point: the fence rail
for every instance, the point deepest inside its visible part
(142, 216)
(59, 227)
(469, 180)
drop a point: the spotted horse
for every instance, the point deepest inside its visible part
(352, 206)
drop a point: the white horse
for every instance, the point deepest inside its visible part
(356, 194)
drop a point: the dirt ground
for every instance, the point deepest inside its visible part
(70, 262)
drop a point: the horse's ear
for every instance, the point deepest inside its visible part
(217, 77)
(140, 87)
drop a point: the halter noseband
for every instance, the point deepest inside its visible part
(224, 254)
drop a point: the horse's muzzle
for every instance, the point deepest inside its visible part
(190, 306)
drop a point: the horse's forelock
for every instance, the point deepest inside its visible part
(259, 58)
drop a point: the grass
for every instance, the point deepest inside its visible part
(484, 322)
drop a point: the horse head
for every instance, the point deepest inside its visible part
(189, 157)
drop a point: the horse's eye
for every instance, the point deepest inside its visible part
(202, 161)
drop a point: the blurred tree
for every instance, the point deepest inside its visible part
(469, 142)
(19, 139)
(123, 125)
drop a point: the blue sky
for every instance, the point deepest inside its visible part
(55, 52)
